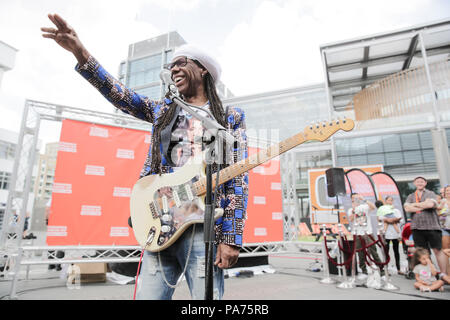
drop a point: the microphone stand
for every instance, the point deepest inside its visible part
(213, 142)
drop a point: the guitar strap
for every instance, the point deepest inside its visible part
(166, 135)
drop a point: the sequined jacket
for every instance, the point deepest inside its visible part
(232, 195)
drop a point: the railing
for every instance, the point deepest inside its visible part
(406, 94)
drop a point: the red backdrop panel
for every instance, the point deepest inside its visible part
(264, 208)
(96, 169)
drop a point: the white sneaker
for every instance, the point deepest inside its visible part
(383, 278)
(362, 276)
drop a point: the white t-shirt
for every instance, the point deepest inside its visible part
(390, 230)
(187, 136)
(424, 272)
(362, 217)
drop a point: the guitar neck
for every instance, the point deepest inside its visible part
(251, 162)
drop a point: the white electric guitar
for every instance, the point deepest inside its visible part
(163, 206)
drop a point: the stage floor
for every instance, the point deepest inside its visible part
(291, 281)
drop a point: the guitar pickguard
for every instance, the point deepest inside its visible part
(176, 206)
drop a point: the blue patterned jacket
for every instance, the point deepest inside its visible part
(232, 195)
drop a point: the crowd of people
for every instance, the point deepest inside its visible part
(427, 218)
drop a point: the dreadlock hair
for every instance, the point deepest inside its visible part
(216, 108)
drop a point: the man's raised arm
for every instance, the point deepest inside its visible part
(113, 90)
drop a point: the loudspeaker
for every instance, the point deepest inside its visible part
(335, 181)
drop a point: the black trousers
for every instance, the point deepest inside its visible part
(396, 252)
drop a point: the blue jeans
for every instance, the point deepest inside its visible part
(151, 283)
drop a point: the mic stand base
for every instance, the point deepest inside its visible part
(389, 286)
(349, 284)
(327, 281)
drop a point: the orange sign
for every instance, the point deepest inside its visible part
(318, 197)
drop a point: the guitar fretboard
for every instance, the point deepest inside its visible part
(251, 162)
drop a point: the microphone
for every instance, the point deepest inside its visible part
(166, 77)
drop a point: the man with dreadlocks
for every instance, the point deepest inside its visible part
(195, 74)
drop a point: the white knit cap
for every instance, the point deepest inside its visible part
(194, 53)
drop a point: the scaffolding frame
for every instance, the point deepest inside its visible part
(14, 253)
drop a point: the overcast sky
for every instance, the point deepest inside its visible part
(262, 45)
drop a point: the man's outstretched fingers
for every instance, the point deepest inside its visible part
(49, 30)
(55, 22)
(61, 21)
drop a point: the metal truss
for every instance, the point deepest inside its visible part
(12, 252)
(43, 255)
(291, 210)
(280, 247)
(80, 254)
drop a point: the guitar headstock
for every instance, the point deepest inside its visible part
(323, 130)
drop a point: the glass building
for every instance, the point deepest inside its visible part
(395, 85)
(140, 71)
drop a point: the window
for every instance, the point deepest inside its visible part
(410, 141)
(153, 92)
(404, 153)
(144, 71)
(5, 178)
(391, 143)
(7, 150)
(394, 158)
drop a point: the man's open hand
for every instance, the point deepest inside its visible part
(66, 37)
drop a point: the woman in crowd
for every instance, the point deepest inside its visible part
(392, 219)
(444, 218)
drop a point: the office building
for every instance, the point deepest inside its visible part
(7, 58)
(46, 173)
(395, 85)
(140, 71)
